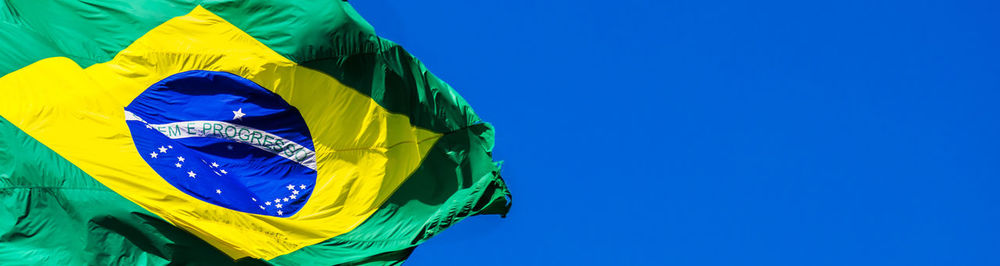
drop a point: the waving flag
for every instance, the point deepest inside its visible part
(280, 132)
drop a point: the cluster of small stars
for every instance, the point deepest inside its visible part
(181, 160)
(278, 202)
(162, 150)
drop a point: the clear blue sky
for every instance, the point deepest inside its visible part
(723, 132)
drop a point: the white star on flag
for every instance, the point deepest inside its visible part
(191, 173)
(278, 205)
(261, 207)
(268, 203)
(302, 186)
(238, 114)
(284, 199)
(296, 192)
(152, 155)
(290, 187)
(180, 158)
(292, 196)
(218, 191)
(215, 164)
(253, 199)
(178, 165)
(279, 212)
(223, 171)
(170, 147)
(163, 149)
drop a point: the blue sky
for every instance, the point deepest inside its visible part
(723, 132)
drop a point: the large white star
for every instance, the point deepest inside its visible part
(152, 155)
(279, 212)
(290, 187)
(191, 173)
(163, 149)
(302, 186)
(292, 196)
(238, 114)
(296, 192)
(180, 158)
(278, 205)
(178, 165)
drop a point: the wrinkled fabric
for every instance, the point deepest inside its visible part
(54, 212)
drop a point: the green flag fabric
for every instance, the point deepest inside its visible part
(226, 132)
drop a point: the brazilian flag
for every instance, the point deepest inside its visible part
(220, 132)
